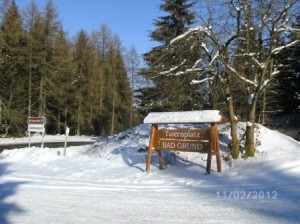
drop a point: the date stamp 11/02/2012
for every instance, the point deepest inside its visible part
(247, 195)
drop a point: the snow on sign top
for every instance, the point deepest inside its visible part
(196, 116)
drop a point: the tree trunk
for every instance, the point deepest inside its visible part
(132, 101)
(30, 83)
(58, 123)
(235, 143)
(250, 141)
(41, 96)
(79, 116)
(66, 115)
(264, 108)
(212, 98)
(113, 112)
(101, 126)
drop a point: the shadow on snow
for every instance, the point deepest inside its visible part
(7, 189)
(269, 193)
(255, 188)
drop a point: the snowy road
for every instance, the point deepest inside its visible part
(58, 201)
(46, 144)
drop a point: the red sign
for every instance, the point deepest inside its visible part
(36, 120)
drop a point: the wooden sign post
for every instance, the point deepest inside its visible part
(187, 140)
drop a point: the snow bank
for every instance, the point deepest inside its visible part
(133, 144)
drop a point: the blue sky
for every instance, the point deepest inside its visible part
(131, 20)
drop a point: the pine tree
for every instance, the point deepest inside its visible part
(288, 80)
(51, 27)
(12, 75)
(42, 31)
(118, 96)
(177, 21)
(81, 59)
(170, 93)
(123, 109)
(83, 84)
(101, 40)
(60, 86)
(34, 29)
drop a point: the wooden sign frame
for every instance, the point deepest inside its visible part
(190, 140)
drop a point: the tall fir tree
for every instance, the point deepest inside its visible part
(101, 40)
(179, 18)
(81, 58)
(60, 84)
(170, 93)
(51, 27)
(118, 96)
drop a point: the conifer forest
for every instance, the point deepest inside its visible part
(241, 57)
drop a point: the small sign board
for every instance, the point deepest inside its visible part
(36, 128)
(36, 124)
(36, 120)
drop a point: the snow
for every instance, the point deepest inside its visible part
(191, 31)
(193, 82)
(214, 58)
(106, 182)
(48, 138)
(279, 49)
(197, 116)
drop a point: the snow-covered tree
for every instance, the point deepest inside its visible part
(262, 24)
(253, 26)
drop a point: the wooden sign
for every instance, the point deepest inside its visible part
(182, 140)
(188, 140)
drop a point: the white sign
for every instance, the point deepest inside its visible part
(67, 131)
(36, 128)
(66, 136)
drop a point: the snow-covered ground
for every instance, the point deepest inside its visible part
(106, 183)
(37, 138)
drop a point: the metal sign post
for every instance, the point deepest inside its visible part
(29, 135)
(66, 136)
